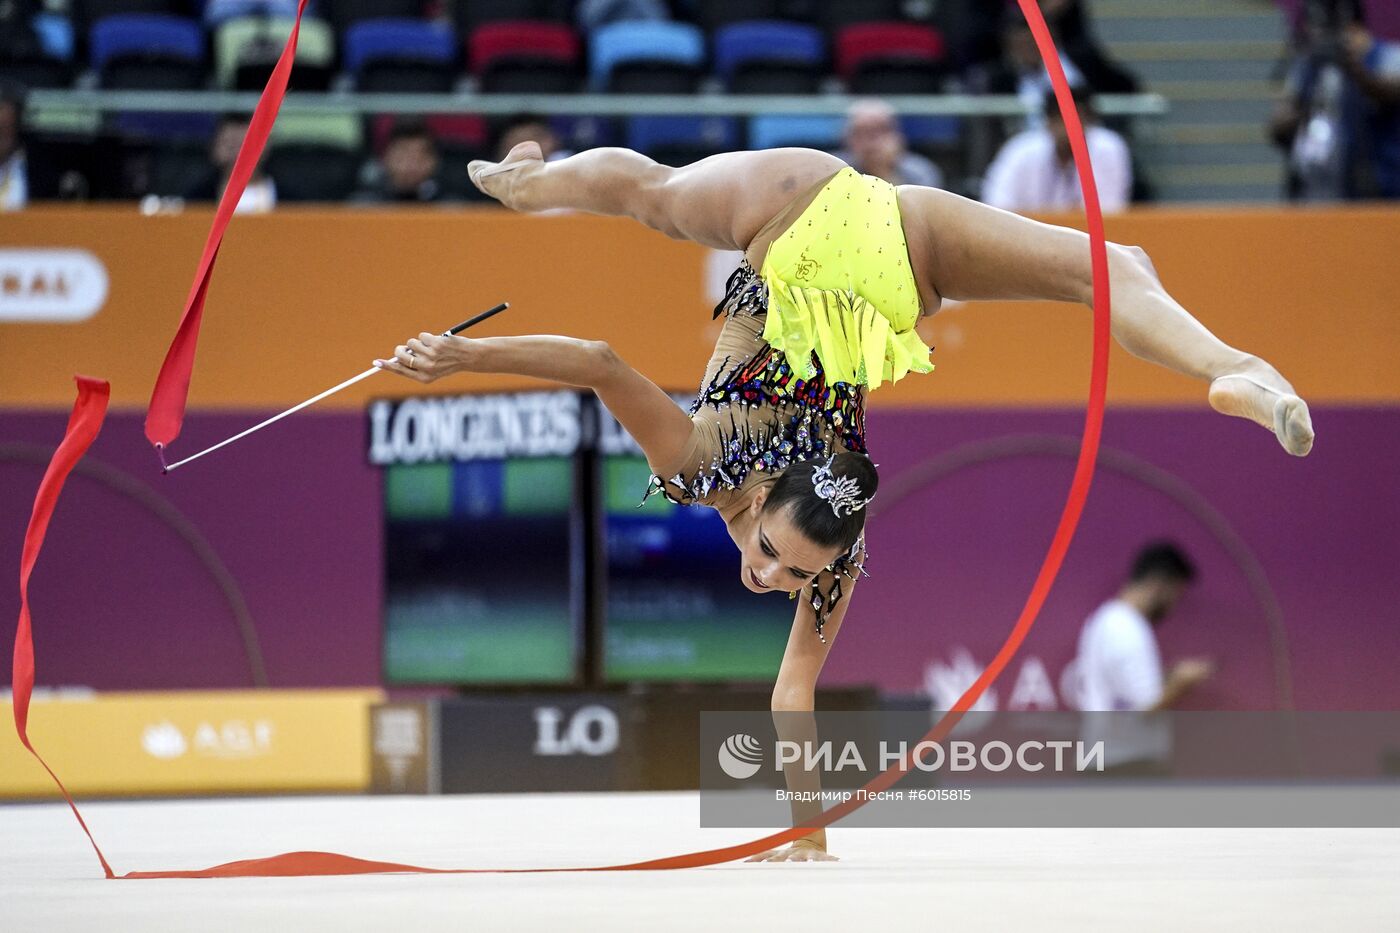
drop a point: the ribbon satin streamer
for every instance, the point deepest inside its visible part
(83, 424)
(327, 863)
(166, 412)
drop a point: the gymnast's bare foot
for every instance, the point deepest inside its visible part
(1264, 397)
(500, 179)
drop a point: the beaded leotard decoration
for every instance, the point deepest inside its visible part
(807, 418)
(809, 415)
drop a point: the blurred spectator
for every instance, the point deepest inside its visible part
(1034, 171)
(14, 171)
(530, 127)
(408, 169)
(594, 13)
(261, 194)
(1069, 25)
(1382, 17)
(1021, 71)
(1120, 668)
(1339, 120)
(875, 145)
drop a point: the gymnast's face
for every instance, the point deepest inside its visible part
(774, 555)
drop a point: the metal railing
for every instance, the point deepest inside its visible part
(596, 105)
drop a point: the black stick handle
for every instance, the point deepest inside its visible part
(478, 319)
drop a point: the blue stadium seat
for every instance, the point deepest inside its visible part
(147, 35)
(587, 132)
(55, 35)
(164, 126)
(931, 130)
(394, 55)
(85, 13)
(715, 134)
(651, 40)
(771, 132)
(679, 140)
(148, 51)
(372, 39)
(767, 41)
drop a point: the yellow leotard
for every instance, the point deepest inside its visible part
(839, 283)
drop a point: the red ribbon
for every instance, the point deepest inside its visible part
(83, 425)
(167, 410)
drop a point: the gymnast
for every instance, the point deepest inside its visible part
(838, 268)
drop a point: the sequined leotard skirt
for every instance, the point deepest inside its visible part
(753, 417)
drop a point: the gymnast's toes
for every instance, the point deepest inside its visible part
(1293, 425)
(1272, 407)
(499, 179)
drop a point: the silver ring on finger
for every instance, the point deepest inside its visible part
(410, 360)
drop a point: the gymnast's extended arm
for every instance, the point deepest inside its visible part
(794, 699)
(653, 419)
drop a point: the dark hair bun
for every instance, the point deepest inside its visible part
(795, 490)
(861, 468)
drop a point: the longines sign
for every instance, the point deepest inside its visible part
(494, 426)
(475, 427)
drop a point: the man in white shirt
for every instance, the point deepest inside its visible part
(1120, 668)
(1034, 171)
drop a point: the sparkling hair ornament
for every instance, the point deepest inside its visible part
(843, 492)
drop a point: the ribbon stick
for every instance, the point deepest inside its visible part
(83, 424)
(327, 863)
(167, 467)
(166, 412)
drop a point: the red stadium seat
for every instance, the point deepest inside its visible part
(521, 39)
(861, 43)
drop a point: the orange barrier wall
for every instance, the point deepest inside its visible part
(304, 298)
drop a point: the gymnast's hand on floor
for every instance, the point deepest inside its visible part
(802, 850)
(428, 357)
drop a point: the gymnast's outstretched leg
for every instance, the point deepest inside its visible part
(720, 202)
(960, 249)
(980, 253)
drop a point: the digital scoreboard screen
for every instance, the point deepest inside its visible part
(495, 508)
(674, 607)
(480, 525)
